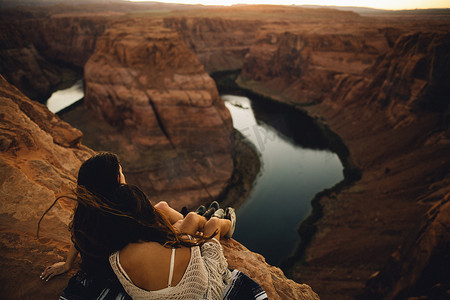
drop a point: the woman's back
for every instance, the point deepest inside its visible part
(199, 272)
(148, 264)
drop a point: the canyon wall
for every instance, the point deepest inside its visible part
(47, 47)
(219, 43)
(420, 265)
(40, 156)
(143, 80)
(385, 94)
(166, 155)
(303, 63)
(47, 44)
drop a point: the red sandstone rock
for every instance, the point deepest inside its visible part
(272, 279)
(143, 80)
(413, 76)
(44, 46)
(36, 76)
(40, 156)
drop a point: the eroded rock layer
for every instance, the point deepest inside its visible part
(219, 43)
(303, 63)
(47, 48)
(143, 80)
(40, 157)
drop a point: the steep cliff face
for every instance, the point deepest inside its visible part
(393, 117)
(419, 268)
(68, 39)
(413, 76)
(219, 43)
(39, 157)
(303, 63)
(22, 64)
(143, 80)
(38, 53)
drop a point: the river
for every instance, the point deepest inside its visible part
(295, 165)
(64, 98)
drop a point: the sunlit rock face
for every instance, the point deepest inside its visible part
(271, 279)
(143, 80)
(39, 159)
(40, 154)
(218, 43)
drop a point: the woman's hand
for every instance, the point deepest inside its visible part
(54, 270)
(61, 267)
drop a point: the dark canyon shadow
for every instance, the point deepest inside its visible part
(290, 124)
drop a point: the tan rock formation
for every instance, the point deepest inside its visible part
(143, 80)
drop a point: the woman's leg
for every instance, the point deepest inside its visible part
(170, 213)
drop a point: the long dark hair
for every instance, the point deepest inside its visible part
(98, 175)
(108, 215)
(127, 216)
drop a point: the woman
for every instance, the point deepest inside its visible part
(100, 175)
(151, 258)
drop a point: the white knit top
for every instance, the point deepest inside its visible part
(205, 277)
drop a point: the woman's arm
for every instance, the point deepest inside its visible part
(60, 267)
(191, 224)
(194, 223)
(222, 226)
(170, 213)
